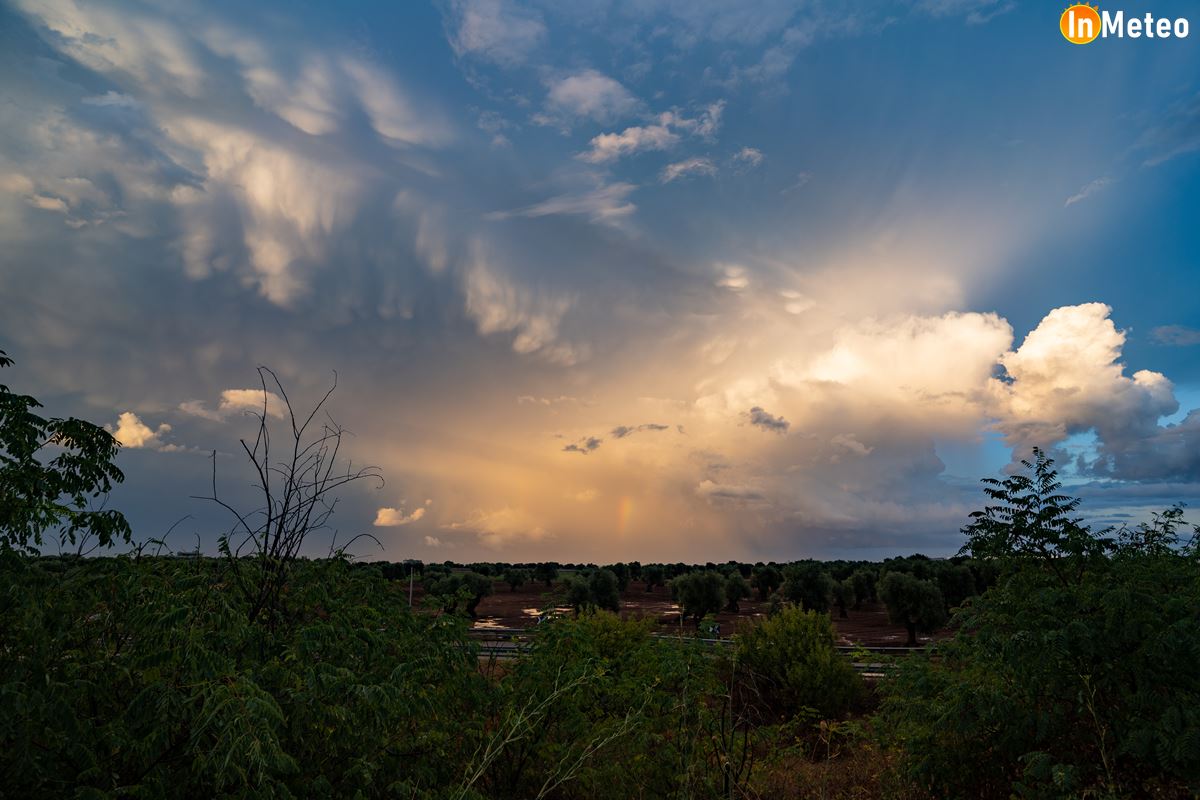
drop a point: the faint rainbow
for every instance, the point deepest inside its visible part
(624, 511)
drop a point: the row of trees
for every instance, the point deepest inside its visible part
(920, 604)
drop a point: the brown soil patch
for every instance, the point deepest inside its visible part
(519, 609)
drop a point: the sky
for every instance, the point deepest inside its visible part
(667, 280)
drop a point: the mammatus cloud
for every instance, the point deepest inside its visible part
(734, 277)
(690, 166)
(498, 305)
(768, 422)
(131, 432)
(1096, 186)
(1176, 335)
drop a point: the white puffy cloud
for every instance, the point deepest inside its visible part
(608, 147)
(237, 401)
(750, 157)
(131, 432)
(395, 517)
(1066, 377)
(589, 95)
(500, 31)
(689, 166)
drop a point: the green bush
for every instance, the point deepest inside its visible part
(145, 678)
(1074, 676)
(791, 660)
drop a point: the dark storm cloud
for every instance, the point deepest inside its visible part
(621, 431)
(766, 421)
(584, 446)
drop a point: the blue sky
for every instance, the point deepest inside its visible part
(617, 278)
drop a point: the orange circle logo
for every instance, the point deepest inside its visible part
(1080, 23)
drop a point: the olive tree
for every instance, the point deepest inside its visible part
(807, 585)
(913, 603)
(515, 578)
(767, 579)
(546, 573)
(736, 589)
(698, 594)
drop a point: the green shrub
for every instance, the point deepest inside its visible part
(792, 661)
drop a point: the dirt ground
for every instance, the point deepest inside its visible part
(520, 609)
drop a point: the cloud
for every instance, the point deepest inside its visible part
(796, 302)
(728, 493)
(1066, 378)
(802, 180)
(131, 432)
(621, 431)
(690, 166)
(606, 204)
(1177, 134)
(502, 527)
(237, 401)
(499, 31)
(584, 446)
(768, 422)
(751, 157)
(734, 277)
(586, 95)
(610, 146)
(661, 135)
(498, 305)
(977, 12)
(395, 517)
(1096, 186)
(1176, 335)
(433, 541)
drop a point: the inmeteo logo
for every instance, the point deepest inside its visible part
(1082, 23)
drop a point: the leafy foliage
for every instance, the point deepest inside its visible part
(913, 603)
(1031, 523)
(1072, 677)
(53, 472)
(698, 594)
(791, 659)
(808, 585)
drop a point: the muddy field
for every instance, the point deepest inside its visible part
(520, 609)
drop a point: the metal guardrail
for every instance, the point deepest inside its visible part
(508, 643)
